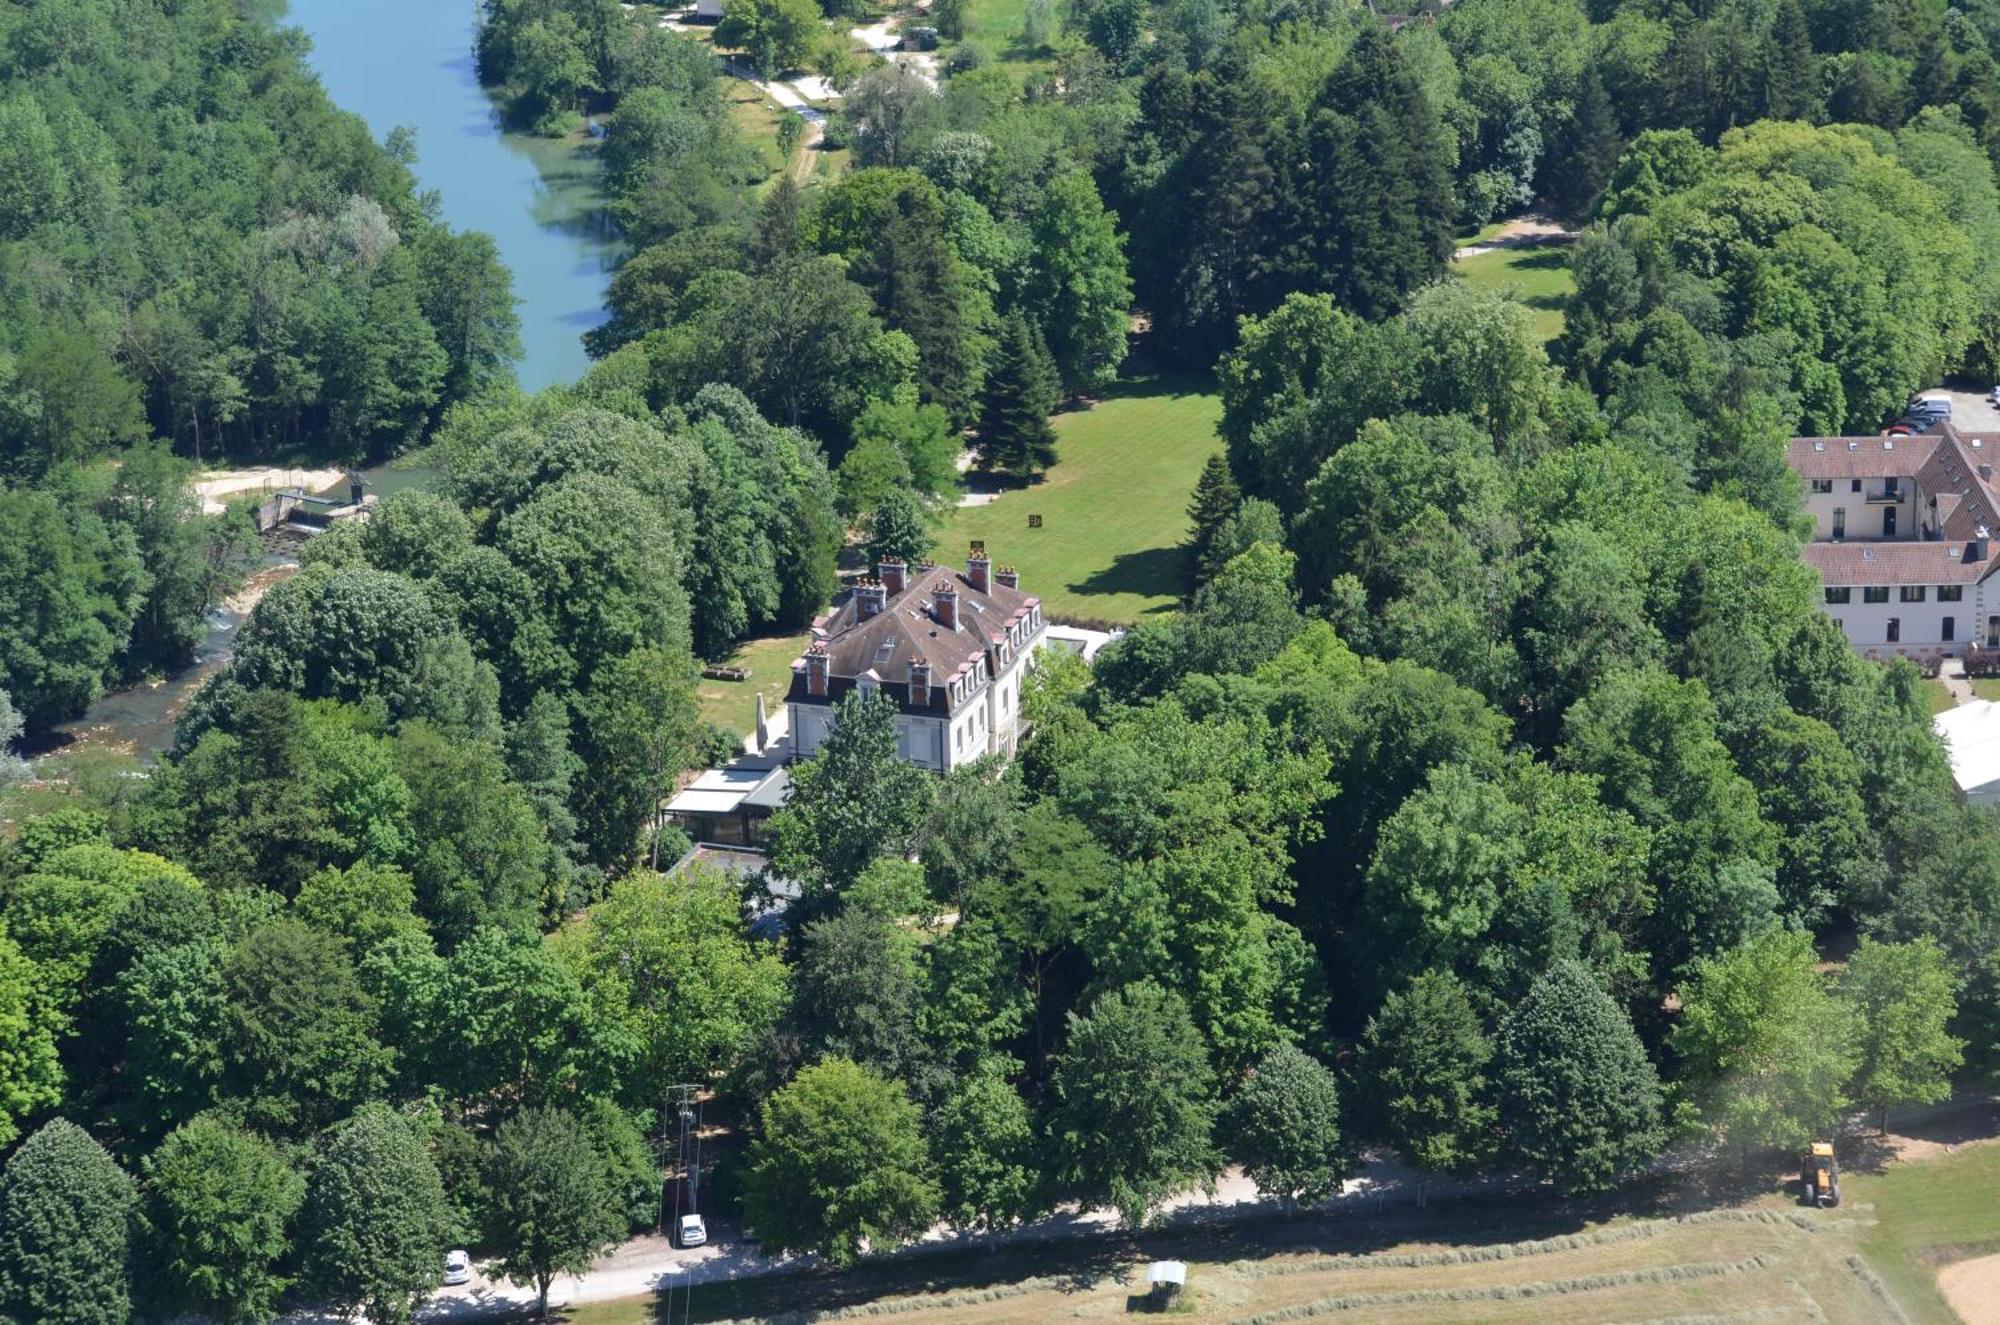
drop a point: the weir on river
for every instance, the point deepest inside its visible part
(409, 63)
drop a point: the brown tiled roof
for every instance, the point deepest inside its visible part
(907, 629)
(1953, 472)
(1860, 457)
(1896, 563)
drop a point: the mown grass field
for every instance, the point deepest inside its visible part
(1490, 1263)
(1538, 276)
(1114, 507)
(733, 704)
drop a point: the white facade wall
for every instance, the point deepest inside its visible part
(1866, 624)
(1862, 519)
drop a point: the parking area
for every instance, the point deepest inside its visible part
(1971, 411)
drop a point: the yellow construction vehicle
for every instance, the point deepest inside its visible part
(1819, 1176)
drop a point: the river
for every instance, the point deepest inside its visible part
(409, 62)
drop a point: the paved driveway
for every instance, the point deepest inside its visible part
(1972, 411)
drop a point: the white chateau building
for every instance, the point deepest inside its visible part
(950, 647)
(1903, 538)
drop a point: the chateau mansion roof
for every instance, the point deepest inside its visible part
(908, 627)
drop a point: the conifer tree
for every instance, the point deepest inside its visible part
(1582, 164)
(1790, 69)
(1021, 393)
(1216, 498)
(65, 1208)
(1577, 1094)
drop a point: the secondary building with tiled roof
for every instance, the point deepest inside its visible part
(1903, 538)
(950, 647)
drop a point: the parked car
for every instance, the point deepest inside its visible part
(693, 1233)
(1934, 407)
(457, 1267)
(1994, 395)
(1902, 428)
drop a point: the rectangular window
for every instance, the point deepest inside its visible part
(1857, 486)
(1949, 630)
(1841, 595)
(1822, 485)
(1951, 593)
(1840, 522)
(1895, 630)
(1875, 593)
(1913, 593)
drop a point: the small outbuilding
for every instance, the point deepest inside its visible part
(1971, 734)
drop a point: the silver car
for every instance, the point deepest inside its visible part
(693, 1232)
(457, 1268)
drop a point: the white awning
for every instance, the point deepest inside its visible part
(1971, 733)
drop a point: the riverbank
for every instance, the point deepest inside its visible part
(217, 487)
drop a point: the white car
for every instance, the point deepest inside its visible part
(694, 1233)
(457, 1268)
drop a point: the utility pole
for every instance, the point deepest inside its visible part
(682, 1108)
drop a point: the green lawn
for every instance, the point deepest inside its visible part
(1940, 698)
(733, 704)
(1539, 277)
(1114, 508)
(1928, 1214)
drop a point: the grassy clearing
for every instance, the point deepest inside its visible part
(733, 704)
(1538, 276)
(1114, 509)
(996, 25)
(1489, 1262)
(1940, 698)
(1930, 1214)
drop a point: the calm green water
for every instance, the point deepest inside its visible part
(409, 62)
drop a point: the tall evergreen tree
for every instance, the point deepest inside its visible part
(1588, 152)
(1789, 69)
(922, 289)
(1369, 201)
(65, 1208)
(1577, 1095)
(1021, 393)
(1216, 498)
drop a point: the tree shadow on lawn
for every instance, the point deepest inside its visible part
(1151, 386)
(1156, 572)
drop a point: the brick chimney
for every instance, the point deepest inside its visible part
(817, 665)
(1008, 577)
(944, 600)
(979, 569)
(868, 598)
(920, 683)
(894, 574)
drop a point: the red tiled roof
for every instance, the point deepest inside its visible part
(1860, 457)
(1896, 563)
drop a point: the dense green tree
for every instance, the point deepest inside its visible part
(374, 1228)
(1132, 1105)
(1900, 998)
(65, 1216)
(216, 1206)
(1766, 1050)
(898, 529)
(31, 1077)
(549, 1209)
(668, 968)
(839, 1159)
(1422, 1076)
(779, 34)
(983, 1149)
(1283, 1126)
(852, 802)
(1076, 288)
(298, 1037)
(857, 991)
(637, 734)
(1576, 1094)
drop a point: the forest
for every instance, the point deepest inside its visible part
(1499, 797)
